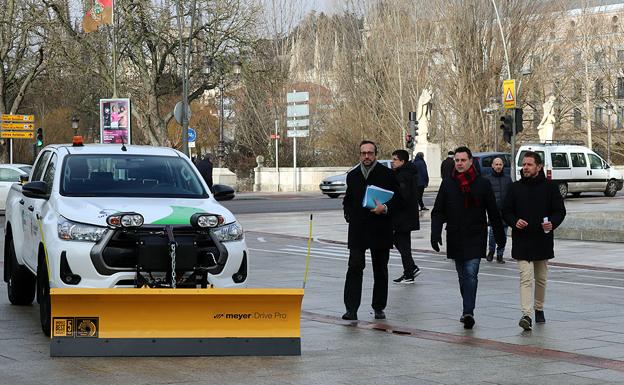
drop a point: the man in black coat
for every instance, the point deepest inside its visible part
(447, 166)
(205, 169)
(462, 203)
(423, 178)
(406, 220)
(501, 183)
(368, 229)
(533, 208)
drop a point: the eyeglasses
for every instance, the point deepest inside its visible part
(367, 153)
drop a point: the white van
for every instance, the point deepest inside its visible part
(576, 168)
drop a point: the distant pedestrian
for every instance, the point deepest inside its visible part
(406, 220)
(447, 166)
(462, 203)
(368, 229)
(205, 169)
(533, 208)
(500, 185)
(423, 178)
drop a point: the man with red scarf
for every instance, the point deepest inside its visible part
(462, 203)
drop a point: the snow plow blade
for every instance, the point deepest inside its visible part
(175, 322)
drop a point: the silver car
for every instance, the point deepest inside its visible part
(336, 185)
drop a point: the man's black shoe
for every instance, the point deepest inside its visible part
(416, 272)
(526, 323)
(379, 314)
(469, 321)
(500, 259)
(461, 319)
(490, 256)
(350, 316)
(539, 317)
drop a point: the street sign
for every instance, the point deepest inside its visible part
(297, 97)
(192, 135)
(177, 112)
(297, 133)
(17, 135)
(17, 126)
(275, 136)
(18, 118)
(297, 110)
(509, 93)
(298, 123)
(191, 144)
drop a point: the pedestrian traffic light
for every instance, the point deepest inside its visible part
(39, 137)
(506, 126)
(409, 141)
(519, 120)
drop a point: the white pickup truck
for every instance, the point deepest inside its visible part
(105, 216)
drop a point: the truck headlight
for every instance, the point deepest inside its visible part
(230, 232)
(74, 231)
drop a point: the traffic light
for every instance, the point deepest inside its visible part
(519, 120)
(39, 137)
(506, 126)
(413, 130)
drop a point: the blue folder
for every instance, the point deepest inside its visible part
(376, 193)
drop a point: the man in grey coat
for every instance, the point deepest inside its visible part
(500, 185)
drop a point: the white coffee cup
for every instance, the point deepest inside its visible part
(546, 220)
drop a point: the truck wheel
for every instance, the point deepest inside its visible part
(21, 285)
(333, 195)
(611, 189)
(43, 296)
(563, 190)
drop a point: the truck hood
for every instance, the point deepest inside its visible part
(158, 211)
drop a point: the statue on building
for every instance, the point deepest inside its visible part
(546, 127)
(423, 115)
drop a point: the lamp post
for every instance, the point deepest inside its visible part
(609, 113)
(221, 69)
(74, 124)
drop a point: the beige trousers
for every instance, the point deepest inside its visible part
(532, 271)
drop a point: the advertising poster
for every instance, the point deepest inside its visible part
(115, 121)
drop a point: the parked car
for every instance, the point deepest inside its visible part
(575, 168)
(483, 161)
(9, 174)
(336, 185)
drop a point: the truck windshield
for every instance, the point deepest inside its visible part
(130, 176)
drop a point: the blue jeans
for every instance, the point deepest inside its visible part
(492, 242)
(467, 272)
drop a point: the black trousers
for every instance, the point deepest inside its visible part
(403, 243)
(419, 194)
(355, 273)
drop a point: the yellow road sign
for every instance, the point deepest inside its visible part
(18, 118)
(509, 93)
(17, 135)
(17, 126)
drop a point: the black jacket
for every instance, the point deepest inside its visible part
(532, 199)
(423, 175)
(466, 228)
(406, 219)
(446, 168)
(368, 230)
(205, 169)
(500, 185)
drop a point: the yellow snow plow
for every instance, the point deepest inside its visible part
(175, 322)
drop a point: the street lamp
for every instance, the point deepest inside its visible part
(74, 122)
(609, 113)
(221, 68)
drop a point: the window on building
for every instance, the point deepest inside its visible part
(577, 118)
(598, 56)
(598, 111)
(620, 117)
(598, 88)
(620, 88)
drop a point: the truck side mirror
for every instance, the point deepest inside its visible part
(37, 190)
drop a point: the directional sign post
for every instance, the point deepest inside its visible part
(297, 108)
(16, 127)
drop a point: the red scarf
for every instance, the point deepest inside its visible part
(465, 179)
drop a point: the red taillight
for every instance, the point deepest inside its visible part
(549, 174)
